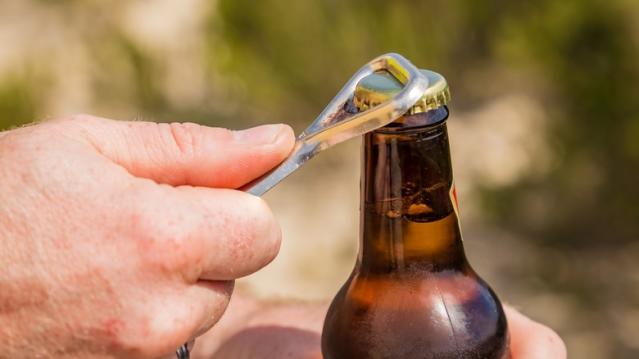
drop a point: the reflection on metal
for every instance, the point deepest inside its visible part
(183, 352)
(335, 124)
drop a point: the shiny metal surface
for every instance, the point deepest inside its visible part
(335, 125)
(183, 352)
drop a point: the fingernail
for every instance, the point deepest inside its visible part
(260, 135)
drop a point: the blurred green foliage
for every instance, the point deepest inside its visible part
(588, 52)
(17, 103)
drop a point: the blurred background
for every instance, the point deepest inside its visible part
(544, 127)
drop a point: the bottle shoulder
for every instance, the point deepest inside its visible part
(436, 312)
(421, 284)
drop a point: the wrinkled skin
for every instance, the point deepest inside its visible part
(122, 239)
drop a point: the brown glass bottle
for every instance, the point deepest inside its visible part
(412, 293)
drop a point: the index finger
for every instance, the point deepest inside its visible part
(204, 233)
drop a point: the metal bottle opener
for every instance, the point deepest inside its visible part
(335, 124)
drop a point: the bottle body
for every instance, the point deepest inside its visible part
(412, 293)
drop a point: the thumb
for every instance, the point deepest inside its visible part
(188, 153)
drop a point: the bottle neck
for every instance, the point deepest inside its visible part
(409, 218)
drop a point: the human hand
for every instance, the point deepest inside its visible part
(253, 330)
(112, 241)
(532, 340)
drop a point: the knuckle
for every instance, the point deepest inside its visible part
(77, 121)
(149, 337)
(159, 243)
(12, 144)
(25, 142)
(131, 338)
(183, 137)
(79, 118)
(78, 126)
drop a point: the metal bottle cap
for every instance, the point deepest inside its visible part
(381, 86)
